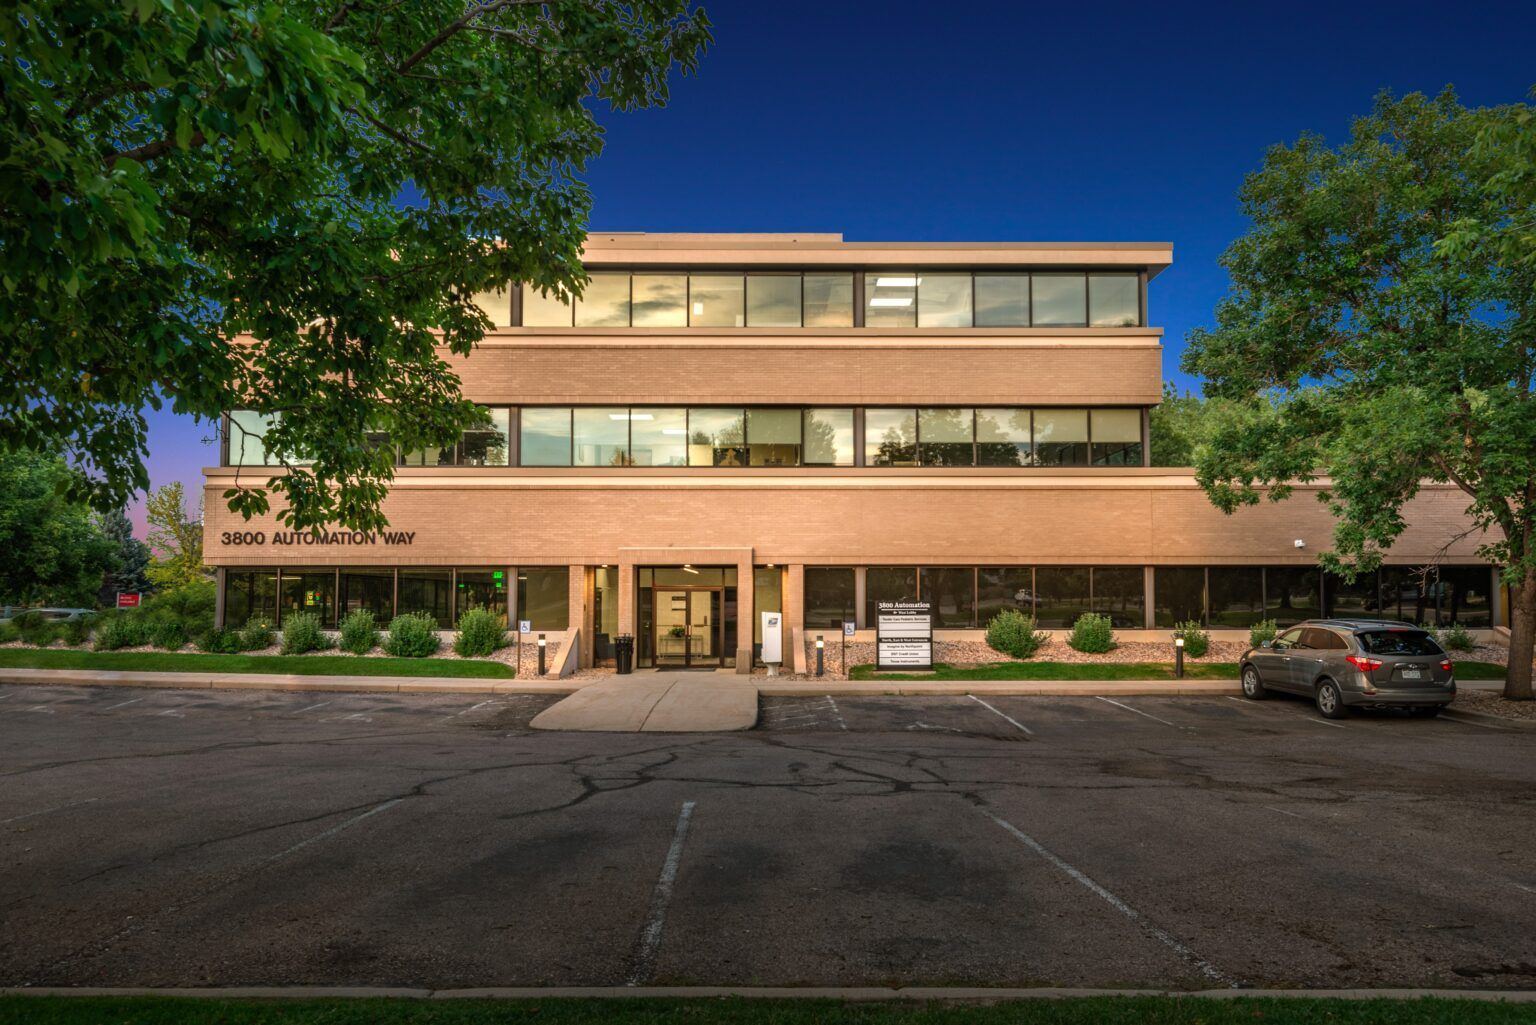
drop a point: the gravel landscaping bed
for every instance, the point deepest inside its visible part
(1491, 702)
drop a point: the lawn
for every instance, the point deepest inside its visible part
(36, 1010)
(1058, 671)
(297, 665)
(1478, 670)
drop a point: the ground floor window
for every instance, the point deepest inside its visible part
(308, 590)
(1180, 594)
(368, 590)
(544, 596)
(481, 588)
(248, 595)
(767, 596)
(605, 613)
(429, 591)
(882, 583)
(829, 596)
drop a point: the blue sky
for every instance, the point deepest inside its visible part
(1013, 121)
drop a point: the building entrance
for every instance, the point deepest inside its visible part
(689, 626)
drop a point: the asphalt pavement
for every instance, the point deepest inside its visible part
(196, 838)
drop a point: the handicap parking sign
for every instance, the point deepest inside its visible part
(848, 627)
(525, 626)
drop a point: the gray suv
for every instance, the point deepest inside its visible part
(1343, 662)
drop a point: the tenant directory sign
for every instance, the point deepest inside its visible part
(904, 635)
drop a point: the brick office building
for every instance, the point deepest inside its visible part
(731, 424)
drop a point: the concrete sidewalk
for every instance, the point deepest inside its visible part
(284, 681)
(656, 703)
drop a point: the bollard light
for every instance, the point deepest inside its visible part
(541, 655)
(1178, 657)
(821, 645)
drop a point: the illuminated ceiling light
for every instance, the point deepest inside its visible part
(631, 416)
(674, 431)
(881, 300)
(896, 282)
(698, 309)
(688, 569)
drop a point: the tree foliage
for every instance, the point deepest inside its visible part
(55, 550)
(336, 179)
(132, 559)
(1381, 331)
(175, 538)
(1177, 426)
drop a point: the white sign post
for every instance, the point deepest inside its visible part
(904, 635)
(773, 641)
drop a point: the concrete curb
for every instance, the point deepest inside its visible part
(283, 682)
(853, 993)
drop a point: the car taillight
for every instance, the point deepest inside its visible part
(1445, 664)
(1365, 665)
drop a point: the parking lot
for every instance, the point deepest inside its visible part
(183, 838)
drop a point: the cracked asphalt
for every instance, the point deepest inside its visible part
(195, 838)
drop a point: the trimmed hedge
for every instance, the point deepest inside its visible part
(413, 635)
(358, 634)
(480, 633)
(1013, 633)
(1092, 634)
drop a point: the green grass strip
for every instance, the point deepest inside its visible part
(37, 1010)
(1058, 671)
(1478, 670)
(295, 665)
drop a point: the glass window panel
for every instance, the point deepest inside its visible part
(887, 584)
(828, 300)
(1464, 597)
(430, 456)
(1351, 599)
(545, 438)
(693, 576)
(1120, 592)
(715, 438)
(1002, 300)
(605, 613)
(1003, 587)
(828, 597)
(767, 596)
(1116, 437)
(773, 437)
(1061, 595)
(829, 437)
(429, 591)
(488, 444)
(309, 590)
(658, 436)
(368, 590)
(1114, 300)
(247, 435)
(716, 300)
(546, 309)
(600, 437)
(1060, 300)
(890, 437)
(1179, 593)
(890, 299)
(248, 595)
(944, 300)
(604, 302)
(543, 597)
(660, 300)
(1003, 437)
(1061, 437)
(1408, 593)
(773, 300)
(482, 588)
(1290, 594)
(1236, 596)
(495, 304)
(952, 593)
(945, 437)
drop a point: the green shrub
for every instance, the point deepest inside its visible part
(168, 634)
(75, 631)
(1263, 630)
(1013, 633)
(8, 631)
(1196, 641)
(1092, 634)
(358, 634)
(256, 634)
(413, 635)
(121, 630)
(191, 605)
(1456, 638)
(480, 633)
(36, 629)
(219, 642)
(301, 633)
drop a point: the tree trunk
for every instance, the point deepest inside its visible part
(1522, 632)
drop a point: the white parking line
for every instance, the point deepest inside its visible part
(1325, 722)
(354, 820)
(120, 704)
(311, 708)
(1138, 711)
(466, 711)
(1470, 722)
(45, 811)
(180, 711)
(837, 714)
(1207, 969)
(650, 936)
(1282, 811)
(1010, 718)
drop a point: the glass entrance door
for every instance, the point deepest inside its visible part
(687, 626)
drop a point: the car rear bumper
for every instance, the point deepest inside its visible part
(1405, 697)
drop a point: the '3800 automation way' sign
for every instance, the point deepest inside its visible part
(317, 537)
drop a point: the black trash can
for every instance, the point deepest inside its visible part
(624, 653)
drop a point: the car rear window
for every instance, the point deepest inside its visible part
(1399, 642)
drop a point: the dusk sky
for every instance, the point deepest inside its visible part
(1011, 121)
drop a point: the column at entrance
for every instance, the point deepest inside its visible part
(746, 587)
(794, 600)
(579, 612)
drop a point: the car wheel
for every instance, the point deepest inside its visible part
(1253, 687)
(1330, 703)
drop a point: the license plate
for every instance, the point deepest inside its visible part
(1412, 674)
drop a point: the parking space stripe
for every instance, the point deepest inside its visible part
(994, 711)
(466, 711)
(1325, 722)
(1205, 967)
(354, 820)
(839, 715)
(47, 811)
(1138, 711)
(1469, 722)
(120, 704)
(661, 897)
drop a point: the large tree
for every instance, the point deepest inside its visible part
(175, 538)
(336, 178)
(55, 551)
(1381, 332)
(132, 559)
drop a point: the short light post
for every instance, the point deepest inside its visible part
(541, 654)
(1178, 658)
(821, 645)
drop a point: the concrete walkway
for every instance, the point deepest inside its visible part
(656, 703)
